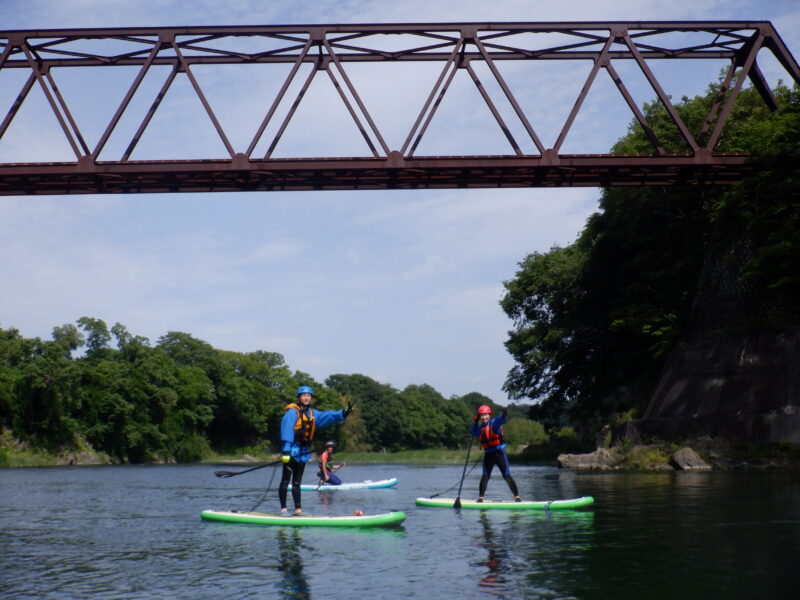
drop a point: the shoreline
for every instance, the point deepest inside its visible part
(712, 454)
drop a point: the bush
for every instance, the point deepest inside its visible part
(524, 432)
(192, 449)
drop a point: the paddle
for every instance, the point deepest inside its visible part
(269, 464)
(347, 411)
(457, 503)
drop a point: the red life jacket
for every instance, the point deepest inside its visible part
(324, 464)
(490, 439)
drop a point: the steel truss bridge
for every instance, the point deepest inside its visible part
(310, 51)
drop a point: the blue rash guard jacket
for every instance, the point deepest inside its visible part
(322, 418)
(495, 424)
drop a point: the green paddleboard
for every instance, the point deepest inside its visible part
(509, 504)
(290, 520)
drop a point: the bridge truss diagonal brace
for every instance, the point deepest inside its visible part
(453, 45)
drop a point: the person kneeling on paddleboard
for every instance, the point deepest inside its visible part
(326, 467)
(298, 425)
(490, 432)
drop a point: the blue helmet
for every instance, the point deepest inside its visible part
(304, 389)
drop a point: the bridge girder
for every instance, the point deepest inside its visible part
(330, 49)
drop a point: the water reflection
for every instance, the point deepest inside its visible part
(532, 554)
(493, 575)
(293, 583)
(325, 497)
(134, 532)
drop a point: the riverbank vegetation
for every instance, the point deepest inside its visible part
(79, 398)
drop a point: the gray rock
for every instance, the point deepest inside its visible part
(602, 458)
(687, 459)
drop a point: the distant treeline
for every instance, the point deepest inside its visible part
(181, 399)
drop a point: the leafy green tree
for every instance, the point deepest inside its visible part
(764, 209)
(353, 433)
(474, 400)
(540, 302)
(106, 408)
(523, 432)
(373, 400)
(594, 321)
(185, 425)
(247, 403)
(14, 352)
(129, 345)
(46, 400)
(9, 381)
(97, 336)
(420, 423)
(190, 351)
(68, 337)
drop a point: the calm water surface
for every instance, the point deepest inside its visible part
(135, 532)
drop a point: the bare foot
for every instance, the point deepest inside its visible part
(298, 511)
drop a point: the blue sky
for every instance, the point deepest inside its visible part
(402, 286)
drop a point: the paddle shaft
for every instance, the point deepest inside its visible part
(457, 503)
(269, 464)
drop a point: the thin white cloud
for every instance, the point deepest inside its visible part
(430, 266)
(466, 303)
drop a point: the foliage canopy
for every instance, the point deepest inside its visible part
(182, 398)
(594, 321)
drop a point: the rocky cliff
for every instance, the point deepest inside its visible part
(738, 376)
(740, 386)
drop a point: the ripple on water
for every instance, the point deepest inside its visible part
(135, 532)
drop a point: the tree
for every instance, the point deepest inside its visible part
(97, 335)
(372, 399)
(45, 397)
(107, 406)
(473, 400)
(523, 432)
(594, 321)
(68, 337)
(540, 302)
(14, 352)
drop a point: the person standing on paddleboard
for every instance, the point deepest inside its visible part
(298, 425)
(490, 432)
(326, 467)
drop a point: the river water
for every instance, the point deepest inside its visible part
(135, 532)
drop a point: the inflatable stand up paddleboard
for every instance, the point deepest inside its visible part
(509, 504)
(367, 484)
(291, 520)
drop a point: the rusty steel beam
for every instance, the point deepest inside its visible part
(370, 174)
(43, 54)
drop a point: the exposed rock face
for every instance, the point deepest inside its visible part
(82, 458)
(687, 459)
(739, 386)
(602, 458)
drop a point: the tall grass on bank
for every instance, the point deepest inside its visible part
(435, 456)
(26, 458)
(251, 456)
(419, 457)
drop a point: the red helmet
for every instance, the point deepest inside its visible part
(484, 410)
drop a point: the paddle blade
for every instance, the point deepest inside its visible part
(223, 473)
(457, 503)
